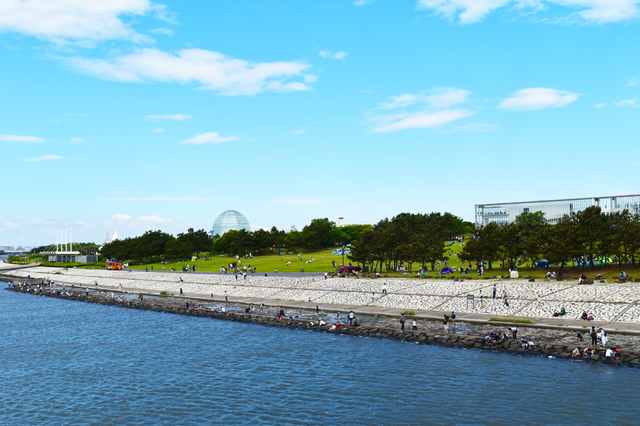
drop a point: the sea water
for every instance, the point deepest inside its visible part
(65, 362)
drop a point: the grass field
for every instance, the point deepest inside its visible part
(322, 262)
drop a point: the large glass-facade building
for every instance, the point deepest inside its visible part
(503, 213)
(229, 220)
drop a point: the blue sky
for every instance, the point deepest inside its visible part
(136, 115)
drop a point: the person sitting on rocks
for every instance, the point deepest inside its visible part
(584, 316)
(579, 336)
(575, 353)
(582, 280)
(587, 352)
(563, 311)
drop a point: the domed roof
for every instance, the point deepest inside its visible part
(229, 220)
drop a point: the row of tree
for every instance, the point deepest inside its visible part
(408, 239)
(585, 238)
(154, 245)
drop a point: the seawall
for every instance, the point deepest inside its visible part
(542, 348)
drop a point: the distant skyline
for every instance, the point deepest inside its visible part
(136, 114)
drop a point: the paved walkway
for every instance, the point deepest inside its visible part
(474, 318)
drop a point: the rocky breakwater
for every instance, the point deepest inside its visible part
(544, 347)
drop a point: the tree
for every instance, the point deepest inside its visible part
(318, 234)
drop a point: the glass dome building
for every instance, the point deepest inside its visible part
(229, 220)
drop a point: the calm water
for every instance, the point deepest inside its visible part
(75, 363)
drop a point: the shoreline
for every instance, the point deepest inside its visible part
(551, 346)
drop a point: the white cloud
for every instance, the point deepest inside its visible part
(443, 97)
(418, 120)
(44, 158)
(76, 140)
(11, 225)
(362, 2)
(628, 103)
(211, 70)
(538, 98)
(330, 55)
(635, 81)
(208, 137)
(121, 217)
(177, 117)
(297, 132)
(298, 202)
(152, 219)
(433, 110)
(165, 31)
(600, 105)
(600, 11)
(74, 20)
(158, 198)
(16, 138)
(157, 130)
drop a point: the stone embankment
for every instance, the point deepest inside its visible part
(549, 348)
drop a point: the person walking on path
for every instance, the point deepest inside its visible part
(594, 337)
(226, 295)
(495, 289)
(453, 317)
(446, 325)
(402, 321)
(414, 325)
(384, 288)
(181, 293)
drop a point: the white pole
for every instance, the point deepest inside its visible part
(71, 239)
(56, 240)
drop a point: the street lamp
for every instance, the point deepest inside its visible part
(343, 254)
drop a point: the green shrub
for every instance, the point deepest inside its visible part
(163, 292)
(408, 313)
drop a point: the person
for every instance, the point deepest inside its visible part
(563, 311)
(350, 317)
(579, 336)
(609, 354)
(372, 296)
(317, 309)
(623, 274)
(584, 316)
(445, 325)
(181, 293)
(583, 279)
(575, 353)
(587, 352)
(402, 321)
(453, 317)
(321, 323)
(414, 325)
(325, 275)
(226, 295)
(187, 306)
(495, 289)
(514, 332)
(603, 338)
(384, 288)
(594, 337)
(223, 310)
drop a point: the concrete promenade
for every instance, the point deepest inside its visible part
(615, 306)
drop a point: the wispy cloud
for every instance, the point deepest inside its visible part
(17, 138)
(331, 55)
(635, 81)
(49, 157)
(208, 137)
(430, 109)
(158, 198)
(628, 103)
(443, 97)
(175, 117)
(600, 11)
(157, 130)
(537, 98)
(76, 140)
(165, 31)
(600, 105)
(75, 20)
(11, 225)
(298, 132)
(299, 202)
(209, 70)
(418, 120)
(143, 219)
(362, 2)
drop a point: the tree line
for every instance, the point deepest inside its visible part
(586, 238)
(158, 245)
(408, 239)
